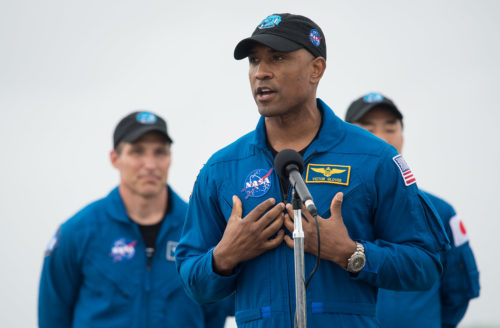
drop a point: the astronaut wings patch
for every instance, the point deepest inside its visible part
(407, 174)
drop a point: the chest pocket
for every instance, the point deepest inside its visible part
(323, 194)
(103, 296)
(112, 283)
(355, 206)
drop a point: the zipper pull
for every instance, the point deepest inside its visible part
(149, 257)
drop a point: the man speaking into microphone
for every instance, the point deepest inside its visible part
(236, 237)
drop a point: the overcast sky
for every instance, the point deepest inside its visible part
(69, 70)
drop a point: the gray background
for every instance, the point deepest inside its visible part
(69, 70)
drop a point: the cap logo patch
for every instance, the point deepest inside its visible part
(270, 21)
(373, 97)
(146, 118)
(123, 250)
(404, 169)
(328, 173)
(315, 37)
(257, 183)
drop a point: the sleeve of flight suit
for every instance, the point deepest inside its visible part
(60, 281)
(203, 229)
(404, 254)
(460, 279)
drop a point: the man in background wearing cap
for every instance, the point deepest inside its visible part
(234, 237)
(112, 264)
(443, 305)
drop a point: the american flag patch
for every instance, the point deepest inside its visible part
(405, 170)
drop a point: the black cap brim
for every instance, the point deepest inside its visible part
(272, 41)
(137, 134)
(361, 112)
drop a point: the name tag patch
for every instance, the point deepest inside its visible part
(328, 173)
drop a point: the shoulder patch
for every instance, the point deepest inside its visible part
(53, 242)
(328, 173)
(460, 235)
(407, 174)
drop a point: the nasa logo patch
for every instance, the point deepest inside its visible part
(315, 37)
(123, 250)
(257, 183)
(270, 21)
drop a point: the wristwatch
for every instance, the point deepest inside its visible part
(357, 260)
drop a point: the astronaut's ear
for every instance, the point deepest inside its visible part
(113, 158)
(318, 66)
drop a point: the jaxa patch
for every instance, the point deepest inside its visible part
(171, 246)
(460, 235)
(328, 173)
(257, 183)
(53, 242)
(408, 176)
(123, 250)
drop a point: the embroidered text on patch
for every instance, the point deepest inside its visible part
(257, 183)
(123, 250)
(315, 37)
(405, 170)
(328, 173)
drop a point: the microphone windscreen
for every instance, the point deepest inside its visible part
(285, 158)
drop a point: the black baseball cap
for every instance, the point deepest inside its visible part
(366, 103)
(285, 33)
(136, 124)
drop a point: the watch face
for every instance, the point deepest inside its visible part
(356, 263)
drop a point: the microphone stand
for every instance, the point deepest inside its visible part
(298, 255)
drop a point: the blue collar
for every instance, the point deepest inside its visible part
(116, 208)
(331, 132)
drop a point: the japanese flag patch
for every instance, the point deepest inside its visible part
(460, 236)
(407, 174)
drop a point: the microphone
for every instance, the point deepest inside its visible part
(290, 165)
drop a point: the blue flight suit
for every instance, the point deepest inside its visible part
(401, 242)
(95, 273)
(444, 305)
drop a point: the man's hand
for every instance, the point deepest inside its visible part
(336, 245)
(248, 237)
